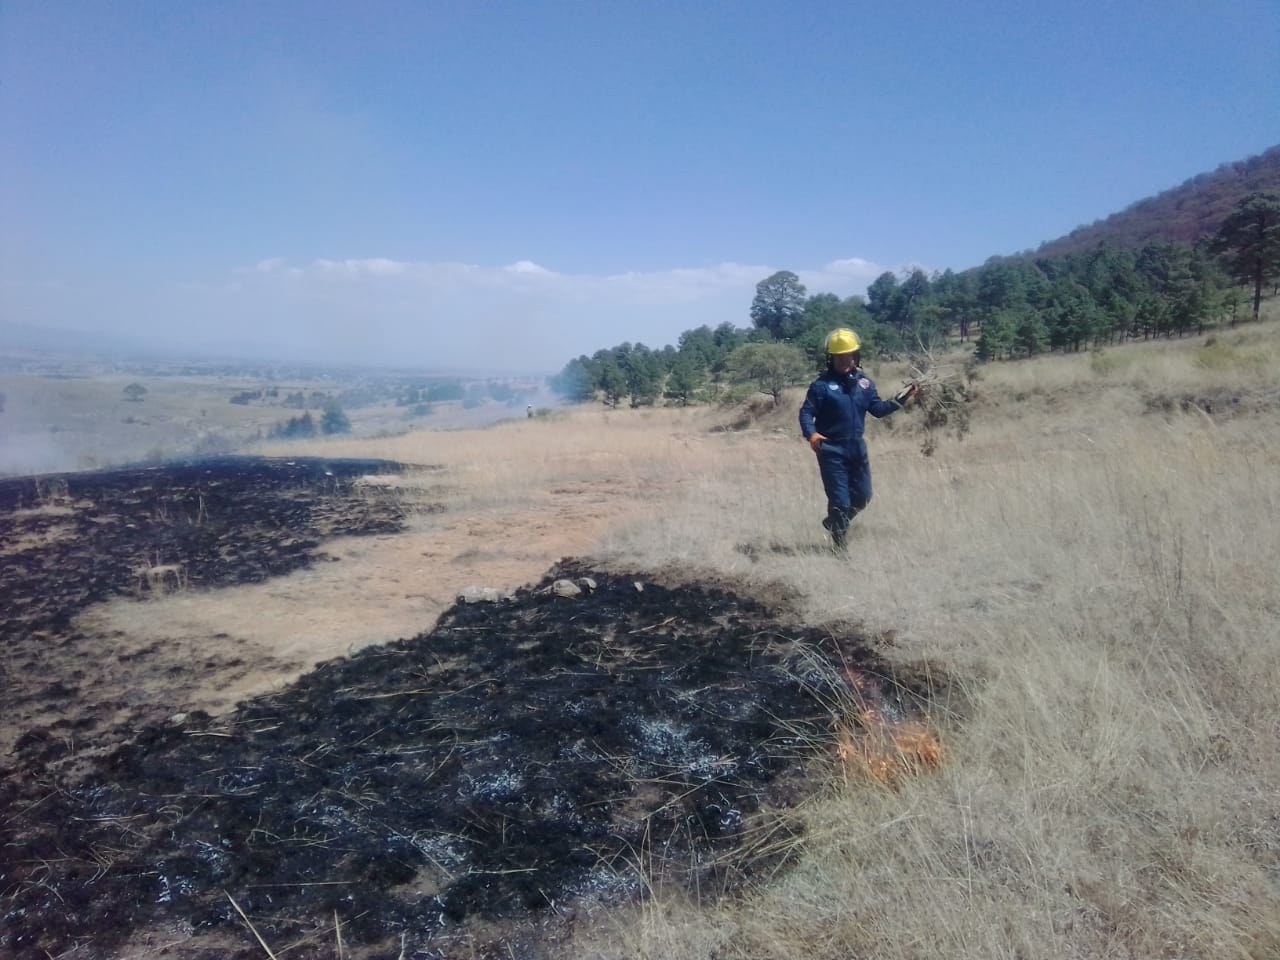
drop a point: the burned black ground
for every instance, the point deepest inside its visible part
(522, 761)
(68, 541)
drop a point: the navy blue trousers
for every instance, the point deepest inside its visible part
(846, 478)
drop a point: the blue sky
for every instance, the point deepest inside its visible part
(504, 186)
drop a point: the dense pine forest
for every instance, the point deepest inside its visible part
(1186, 260)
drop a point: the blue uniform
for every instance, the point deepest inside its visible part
(836, 406)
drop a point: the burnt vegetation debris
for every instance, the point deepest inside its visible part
(225, 520)
(70, 540)
(520, 760)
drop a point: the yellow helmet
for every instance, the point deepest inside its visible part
(842, 340)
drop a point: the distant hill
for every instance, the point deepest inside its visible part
(1184, 214)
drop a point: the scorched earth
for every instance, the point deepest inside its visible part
(476, 789)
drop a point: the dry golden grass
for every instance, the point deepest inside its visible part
(1101, 579)
(1105, 583)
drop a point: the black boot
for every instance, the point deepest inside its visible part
(838, 526)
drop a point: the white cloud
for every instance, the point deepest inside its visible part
(527, 266)
(523, 316)
(853, 266)
(842, 277)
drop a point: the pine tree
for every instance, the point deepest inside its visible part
(1249, 242)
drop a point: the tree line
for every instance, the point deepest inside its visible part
(333, 421)
(1011, 306)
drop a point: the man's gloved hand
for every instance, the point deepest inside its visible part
(815, 441)
(912, 389)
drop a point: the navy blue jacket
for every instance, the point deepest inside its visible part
(837, 406)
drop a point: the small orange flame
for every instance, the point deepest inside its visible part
(887, 751)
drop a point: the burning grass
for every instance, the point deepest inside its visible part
(880, 742)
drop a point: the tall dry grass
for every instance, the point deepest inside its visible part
(1098, 576)
(1104, 583)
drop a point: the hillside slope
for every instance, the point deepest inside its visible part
(1184, 214)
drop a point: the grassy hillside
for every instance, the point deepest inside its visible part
(1095, 567)
(1186, 213)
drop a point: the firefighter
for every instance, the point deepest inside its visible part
(832, 419)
